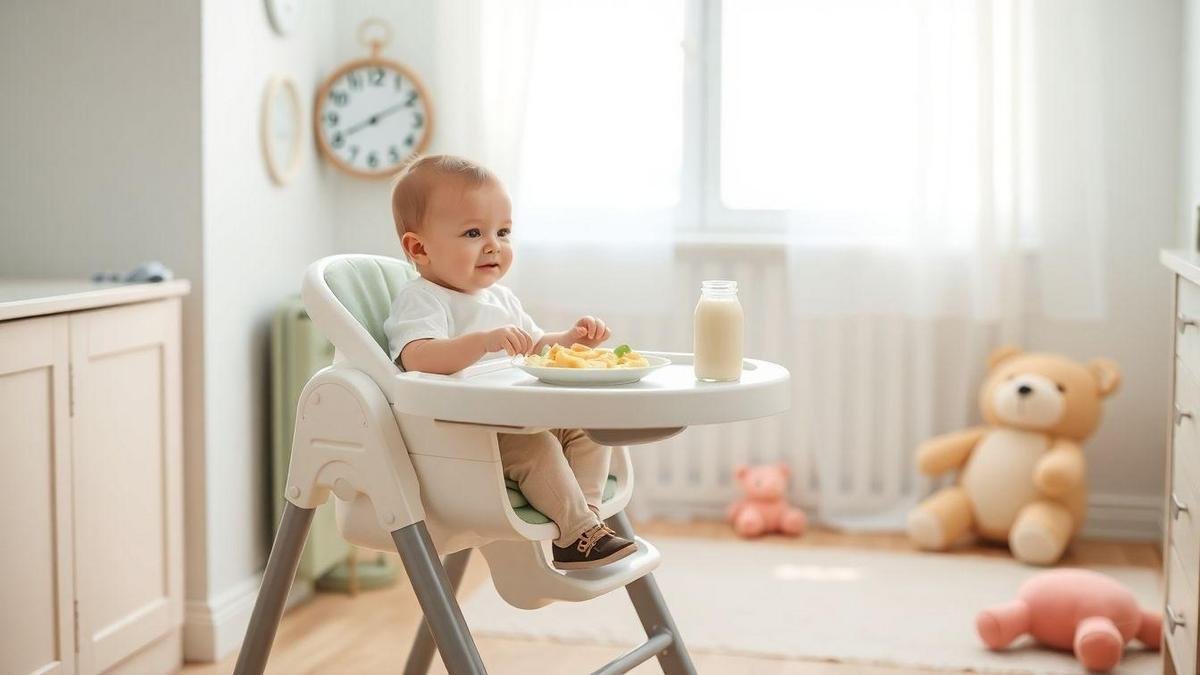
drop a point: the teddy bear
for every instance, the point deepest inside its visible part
(1073, 609)
(764, 509)
(1022, 475)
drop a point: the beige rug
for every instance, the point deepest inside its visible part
(851, 606)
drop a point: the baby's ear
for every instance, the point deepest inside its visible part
(414, 248)
(784, 469)
(1002, 354)
(1107, 375)
(740, 471)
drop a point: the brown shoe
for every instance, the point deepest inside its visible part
(598, 546)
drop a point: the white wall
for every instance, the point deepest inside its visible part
(258, 239)
(1141, 123)
(364, 206)
(1189, 146)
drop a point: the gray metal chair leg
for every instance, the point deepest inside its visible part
(277, 581)
(421, 655)
(436, 597)
(653, 612)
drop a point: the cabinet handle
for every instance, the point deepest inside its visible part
(1181, 414)
(1177, 507)
(1173, 620)
(1183, 321)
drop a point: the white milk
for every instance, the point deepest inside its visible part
(718, 337)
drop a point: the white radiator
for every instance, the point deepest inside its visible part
(865, 392)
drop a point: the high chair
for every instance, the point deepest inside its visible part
(413, 462)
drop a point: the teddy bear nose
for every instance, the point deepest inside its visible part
(1024, 390)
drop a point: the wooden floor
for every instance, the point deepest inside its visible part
(371, 633)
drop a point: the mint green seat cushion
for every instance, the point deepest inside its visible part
(366, 286)
(531, 515)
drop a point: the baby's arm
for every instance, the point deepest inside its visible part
(588, 330)
(450, 355)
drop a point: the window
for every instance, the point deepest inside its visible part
(834, 118)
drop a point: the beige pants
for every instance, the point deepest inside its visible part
(561, 472)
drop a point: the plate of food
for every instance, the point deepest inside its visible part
(580, 365)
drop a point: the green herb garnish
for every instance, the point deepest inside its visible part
(621, 350)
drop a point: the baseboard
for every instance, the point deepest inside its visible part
(1129, 517)
(214, 628)
(1110, 516)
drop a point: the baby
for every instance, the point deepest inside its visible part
(454, 219)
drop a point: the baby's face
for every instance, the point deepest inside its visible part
(466, 236)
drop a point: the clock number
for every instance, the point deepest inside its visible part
(412, 98)
(418, 120)
(339, 98)
(394, 154)
(331, 118)
(353, 152)
(372, 160)
(375, 75)
(399, 82)
(408, 142)
(353, 79)
(337, 140)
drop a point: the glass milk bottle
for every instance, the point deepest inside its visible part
(718, 337)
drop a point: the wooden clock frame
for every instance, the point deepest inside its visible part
(371, 61)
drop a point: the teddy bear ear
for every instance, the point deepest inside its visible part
(1107, 375)
(1001, 354)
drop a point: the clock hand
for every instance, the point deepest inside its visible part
(373, 119)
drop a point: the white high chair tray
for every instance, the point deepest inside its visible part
(498, 394)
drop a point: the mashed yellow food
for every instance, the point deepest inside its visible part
(582, 356)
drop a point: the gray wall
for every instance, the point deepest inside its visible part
(101, 164)
(130, 132)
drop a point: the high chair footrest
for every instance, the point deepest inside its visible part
(524, 578)
(638, 655)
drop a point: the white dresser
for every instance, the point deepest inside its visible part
(91, 471)
(1181, 530)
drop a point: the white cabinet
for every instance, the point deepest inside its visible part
(1181, 535)
(36, 585)
(91, 465)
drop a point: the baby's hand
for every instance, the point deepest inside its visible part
(591, 330)
(512, 339)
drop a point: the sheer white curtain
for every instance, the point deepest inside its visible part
(996, 220)
(899, 186)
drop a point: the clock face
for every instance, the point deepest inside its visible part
(371, 116)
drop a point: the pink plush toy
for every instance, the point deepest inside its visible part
(1073, 609)
(764, 508)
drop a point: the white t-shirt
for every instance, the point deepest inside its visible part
(423, 309)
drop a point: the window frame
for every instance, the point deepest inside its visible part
(702, 211)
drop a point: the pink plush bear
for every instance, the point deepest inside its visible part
(764, 508)
(1073, 609)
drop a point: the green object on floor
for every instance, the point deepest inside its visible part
(377, 572)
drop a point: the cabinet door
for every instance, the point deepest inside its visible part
(126, 446)
(36, 588)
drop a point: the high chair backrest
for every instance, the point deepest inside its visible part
(348, 298)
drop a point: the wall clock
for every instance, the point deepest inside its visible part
(284, 14)
(371, 115)
(281, 129)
